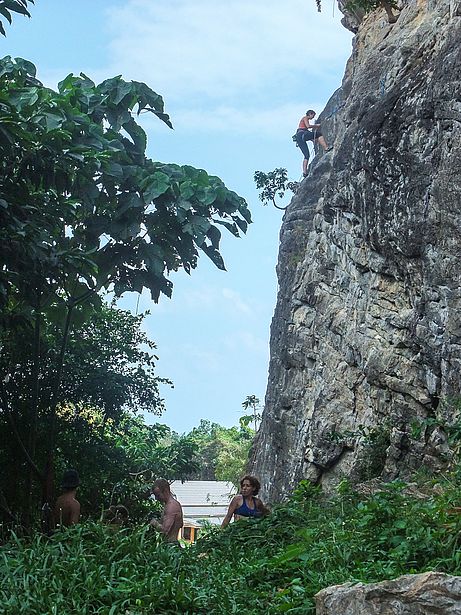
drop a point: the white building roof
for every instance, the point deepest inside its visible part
(203, 499)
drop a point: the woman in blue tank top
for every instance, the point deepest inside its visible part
(246, 504)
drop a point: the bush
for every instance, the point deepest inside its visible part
(270, 565)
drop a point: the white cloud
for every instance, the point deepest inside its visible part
(246, 340)
(236, 301)
(200, 360)
(276, 120)
(214, 298)
(236, 64)
(221, 49)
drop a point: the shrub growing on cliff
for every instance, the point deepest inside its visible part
(273, 185)
(366, 6)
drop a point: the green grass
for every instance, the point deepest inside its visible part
(274, 565)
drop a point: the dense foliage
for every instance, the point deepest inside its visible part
(273, 565)
(118, 461)
(7, 7)
(82, 207)
(222, 453)
(83, 210)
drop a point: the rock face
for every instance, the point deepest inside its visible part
(366, 336)
(420, 594)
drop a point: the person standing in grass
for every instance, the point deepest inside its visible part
(246, 504)
(67, 507)
(172, 518)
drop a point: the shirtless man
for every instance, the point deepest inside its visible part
(67, 508)
(171, 521)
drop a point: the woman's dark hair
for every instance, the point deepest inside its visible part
(309, 111)
(254, 482)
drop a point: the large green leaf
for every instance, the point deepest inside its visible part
(137, 134)
(187, 189)
(214, 256)
(214, 235)
(155, 185)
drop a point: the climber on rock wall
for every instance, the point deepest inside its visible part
(308, 132)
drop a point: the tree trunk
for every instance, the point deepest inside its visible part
(388, 8)
(48, 491)
(35, 396)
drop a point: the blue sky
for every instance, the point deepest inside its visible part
(236, 76)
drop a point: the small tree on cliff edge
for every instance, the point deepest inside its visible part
(273, 185)
(369, 5)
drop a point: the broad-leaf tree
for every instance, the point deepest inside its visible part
(119, 460)
(83, 210)
(222, 453)
(109, 377)
(7, 7)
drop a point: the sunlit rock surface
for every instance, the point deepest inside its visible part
(366, 336)
(432, 593)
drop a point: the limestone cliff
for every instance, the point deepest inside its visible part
(366, 336)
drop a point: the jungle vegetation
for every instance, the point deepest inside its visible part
(84, 212)
(273, 565)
